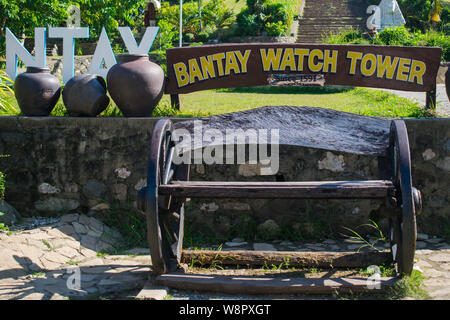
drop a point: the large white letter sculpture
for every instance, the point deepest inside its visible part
(14, 50)
(68, 35)
(102, 60)
(146, 42)
(386, 15)
(103, 56)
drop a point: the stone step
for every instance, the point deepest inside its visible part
(330, 10)
(353, 9)
(351, 17)
(336, 20)
(302, 31)
(320, 17)
(325, 30)
(321, 26)
(331, 22)
(331, 14)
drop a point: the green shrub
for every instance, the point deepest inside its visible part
(290, 8)
(166, 35)
(2, 185)
(415, 23)
(349, 36)
(397, 36)
(435, 39)
(7, 100)
(274, 17)
(247, 24)
(188, 37)
(275, 12)
(203, 36)
(275, 29)
(446, 29)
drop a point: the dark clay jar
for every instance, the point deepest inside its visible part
(85, 95)
(37, 91)
(136, 85)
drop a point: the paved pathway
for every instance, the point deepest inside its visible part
(40, 263)
(43, 262)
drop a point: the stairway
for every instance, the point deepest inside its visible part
(320, 17)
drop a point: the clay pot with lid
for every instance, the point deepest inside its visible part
(136, 85)
(85, 95)
(37, 91)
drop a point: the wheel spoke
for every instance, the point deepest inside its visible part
(168, 171)
(169, 228)
(176, 215)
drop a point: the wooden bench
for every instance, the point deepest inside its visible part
(241, 65)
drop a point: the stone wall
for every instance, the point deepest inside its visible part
(61, 164)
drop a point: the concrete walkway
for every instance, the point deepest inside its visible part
(46, 262)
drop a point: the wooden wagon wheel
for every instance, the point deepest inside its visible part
(165, 218)
(403, 229)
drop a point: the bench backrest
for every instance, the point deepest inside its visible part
(197, 68)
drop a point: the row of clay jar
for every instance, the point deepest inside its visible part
(135, 84)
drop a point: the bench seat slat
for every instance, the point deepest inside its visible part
(282, 190)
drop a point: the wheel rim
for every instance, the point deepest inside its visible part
(165, 219)
(403, 230)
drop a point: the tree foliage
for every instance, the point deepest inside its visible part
(201, 20)
(418, 13)
(22, 16)
(110, 14)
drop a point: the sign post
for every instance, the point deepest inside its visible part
(181, 23)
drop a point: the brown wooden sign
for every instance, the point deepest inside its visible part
(243, 65)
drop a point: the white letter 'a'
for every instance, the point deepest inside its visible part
(146, 42)
(103, 54)
(14, 50)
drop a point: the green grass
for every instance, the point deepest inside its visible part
(2, 185)
(406, 287)
(359, 101)
(3, 227)
(130, 223)
(355, 237)
(212, 102)
(48, 245)
(409, 286)
(386, 270)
